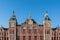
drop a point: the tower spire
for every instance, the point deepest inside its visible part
(46, 16)
(29, 17)
(13, 20)
(47, 21)
(13, 12)
(13, 17)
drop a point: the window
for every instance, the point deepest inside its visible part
(11, 31)
(11, 38)
(41, 32)
(4, 33)
(24, 31)
(18, 31)
(35, 37)
(41, 37)
(4, 38)
(51, 38)
(29, 31)
(18, 37)
(29, 38)
(7, 38)
(54, 38)
(24, 38)
(35, 31)
(47, 31)
(59, 33)
(55, 33)
(47, 37)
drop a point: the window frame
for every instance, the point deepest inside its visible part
(29, 31)
(24, 31)
(18, 31)
(35, 31)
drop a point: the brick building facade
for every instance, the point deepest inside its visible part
(29, 30)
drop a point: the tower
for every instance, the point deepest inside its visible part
(47, 20)
(13, 20)
(12, 25)
(47, 27)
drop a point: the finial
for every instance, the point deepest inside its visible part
(13, 15)
(29, 17)
(13, 12)
(46, 13)
(46, 16)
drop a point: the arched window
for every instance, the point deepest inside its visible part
(55, 33)
(29, 31)
(41, 32)
(18, 31)
(47, 31)
(24, 31)
(11, 31)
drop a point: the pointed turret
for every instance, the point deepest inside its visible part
(47, 20)
(13, 17)
(46, 16)
(13, 20)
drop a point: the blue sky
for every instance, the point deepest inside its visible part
(35, 8)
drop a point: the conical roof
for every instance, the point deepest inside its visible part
(13, 17)
(46, 16)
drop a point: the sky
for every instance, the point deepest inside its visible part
(34, 8)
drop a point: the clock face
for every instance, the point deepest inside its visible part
(12, 24)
